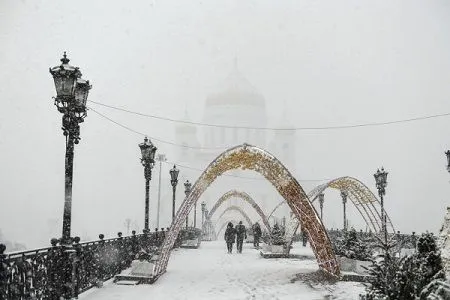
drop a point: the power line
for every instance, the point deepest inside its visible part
(370, 124)
(186, 146)
(153, 138)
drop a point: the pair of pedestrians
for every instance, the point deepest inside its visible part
(238, 234)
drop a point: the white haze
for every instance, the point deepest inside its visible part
(328, 62)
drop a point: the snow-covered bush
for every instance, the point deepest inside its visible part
(277, 236)
(404, 278)
(350, 246)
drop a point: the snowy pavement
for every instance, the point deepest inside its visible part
(211, 273)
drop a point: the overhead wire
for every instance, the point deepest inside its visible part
(153, 138)
(369, 124)
(181, 165)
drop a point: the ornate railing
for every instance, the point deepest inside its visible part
(43, 273)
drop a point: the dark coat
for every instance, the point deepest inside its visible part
(241, 232)
(230, 235)
(257, 231)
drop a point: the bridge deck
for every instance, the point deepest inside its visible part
(210, 273)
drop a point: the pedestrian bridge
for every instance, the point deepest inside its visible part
(210, 273)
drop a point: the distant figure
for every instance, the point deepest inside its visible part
(256, 234)
(241, 233)
(304, 238)
(230, 236)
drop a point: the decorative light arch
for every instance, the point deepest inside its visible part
(238, 209)
(247, 157)
(362, 198)
(358, 193)
(244, 196)
(275, 208)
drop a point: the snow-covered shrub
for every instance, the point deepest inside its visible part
(277, 236)
(350, 246)
(404, 278)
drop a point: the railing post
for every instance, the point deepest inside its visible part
(77, 266)
(100, 252)
(67, 267)
(120, 260)
(3, 273)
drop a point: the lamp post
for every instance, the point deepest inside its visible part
(381, 183)
(448, 160)
(160, 158)
(174, 181)
(148, 151)
(344, 202)
(207, 227)
(321, 200)
(71, 96)
(203, 212)
(187, 191)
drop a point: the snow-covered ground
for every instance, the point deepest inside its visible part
(211, 273)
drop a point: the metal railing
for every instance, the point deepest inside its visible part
(68, 270)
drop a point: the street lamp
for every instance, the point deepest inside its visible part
(207, 227)
(71, 96)
(174, 181)
(160, 158)
(448, 160)
(203, 212)
(321, 200)
(187, 191)
(344, 202)
(381, 183)
(148, 151)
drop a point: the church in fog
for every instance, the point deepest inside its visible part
(237, 103)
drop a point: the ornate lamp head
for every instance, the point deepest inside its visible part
(187, 187)
(321, 199)
(448, 160)
(148, 151)
(381, 180)
(81, 94)
(174, 175)
(203, 206)
(65, 77)
(344, 196)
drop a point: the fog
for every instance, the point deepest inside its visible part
(315, 64)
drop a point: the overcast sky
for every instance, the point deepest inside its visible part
(331, 63)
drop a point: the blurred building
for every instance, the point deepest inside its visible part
(236, 103)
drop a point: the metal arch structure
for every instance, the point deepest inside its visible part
(244, 196)
(238, 209)
(275, 208)
(247, 157)
(362, 198)
(359, 194)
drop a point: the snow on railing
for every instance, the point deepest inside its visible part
(68, 270)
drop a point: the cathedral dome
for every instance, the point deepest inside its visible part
(236, 90)
(237, 104)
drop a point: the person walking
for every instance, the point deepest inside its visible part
(256, 235)
(230, 237)
(241, 233)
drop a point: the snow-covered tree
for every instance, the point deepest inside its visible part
(383, 272)
(404, 278)
(277, 236)
(349, 245)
